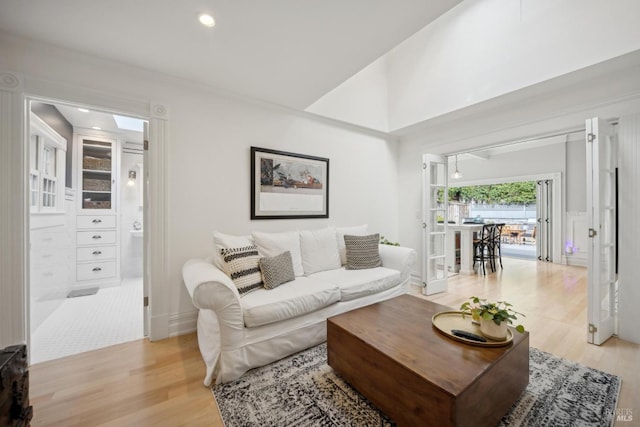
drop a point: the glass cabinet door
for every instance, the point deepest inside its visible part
(97, 174)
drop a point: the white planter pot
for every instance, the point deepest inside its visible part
(489, 329)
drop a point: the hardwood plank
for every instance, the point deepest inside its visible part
(160, 383)
(554, 299)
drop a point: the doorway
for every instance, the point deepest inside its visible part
(86, 228)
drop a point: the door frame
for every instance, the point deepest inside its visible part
(557, 200)
(77, 138)
(15, 90)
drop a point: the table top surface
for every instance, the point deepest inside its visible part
(401, 329)
(460, 227)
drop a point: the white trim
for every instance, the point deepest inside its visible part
(183, 323)
(157, 227)
(13, 213)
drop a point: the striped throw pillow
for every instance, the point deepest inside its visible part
(362, 251)
(241, 264)
(277, 270)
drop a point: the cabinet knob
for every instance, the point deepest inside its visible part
(96, 269)
(96, 221)
(97, 252)
(96, 237)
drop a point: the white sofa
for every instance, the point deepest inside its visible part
(237, 333)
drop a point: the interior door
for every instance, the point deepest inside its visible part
(601, 216)
(434, 224)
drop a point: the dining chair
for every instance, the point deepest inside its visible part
(496, 248)
(482, 248)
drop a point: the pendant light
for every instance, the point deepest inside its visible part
(456, 174)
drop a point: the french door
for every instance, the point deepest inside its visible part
(601, 217)
(434, 223)
(544, 222)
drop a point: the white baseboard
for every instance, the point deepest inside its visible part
(183, 323)
(158, 327)
(574, 261)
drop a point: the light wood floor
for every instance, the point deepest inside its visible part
(146, 383)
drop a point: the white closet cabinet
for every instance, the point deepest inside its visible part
(97, 229)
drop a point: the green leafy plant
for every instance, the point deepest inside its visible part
(384, 241)
(499, 311)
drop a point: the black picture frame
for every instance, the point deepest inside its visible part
(288, 185)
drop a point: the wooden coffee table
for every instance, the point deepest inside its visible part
(391, 353)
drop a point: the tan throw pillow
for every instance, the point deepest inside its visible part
(362, 251)
(277, 270)
(242, 265)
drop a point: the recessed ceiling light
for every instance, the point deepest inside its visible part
(96, 127)
(206, 20)
(84, 110)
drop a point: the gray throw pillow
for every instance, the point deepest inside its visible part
(362, 251)
(277, 270)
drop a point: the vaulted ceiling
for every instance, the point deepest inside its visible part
(287, 52)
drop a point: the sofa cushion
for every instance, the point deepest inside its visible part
(272, 244)
(241, 264)
(223, 241)
(291, 299)
(358, 230)
(319, 249)
(355, 284)
(362, 251)
(277, 270)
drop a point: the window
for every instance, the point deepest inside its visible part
(46, 167)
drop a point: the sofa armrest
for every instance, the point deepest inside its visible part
(398, 257)
(208, 286)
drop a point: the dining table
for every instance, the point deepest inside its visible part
(467, 233)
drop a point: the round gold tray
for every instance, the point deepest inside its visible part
(445, 321)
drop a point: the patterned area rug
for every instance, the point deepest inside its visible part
(302, 390)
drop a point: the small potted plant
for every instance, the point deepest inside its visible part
(493, 316)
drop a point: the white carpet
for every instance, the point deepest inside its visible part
(112, 316)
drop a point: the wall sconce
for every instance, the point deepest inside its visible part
(132, 178)
(456, 174)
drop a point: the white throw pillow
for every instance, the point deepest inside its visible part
(358, 230)
(272, 244)
(319, 250)
(225, 241)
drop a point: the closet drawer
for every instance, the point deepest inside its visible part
(51, 238)
(49, 257)
(96, 221)
(96, 253)
(50, 275)
(97, 237)
(96, 270)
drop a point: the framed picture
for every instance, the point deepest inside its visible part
(288, 185)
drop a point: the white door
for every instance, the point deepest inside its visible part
(434, 224)
(543, 231)
(601, 216)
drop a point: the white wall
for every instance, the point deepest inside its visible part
(629, 205)
(362, 100)
(208, 158)
(527, 161)
(576, 167)
(483, 49)
(130, 210)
